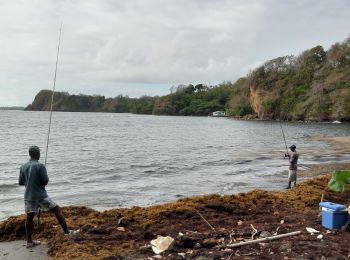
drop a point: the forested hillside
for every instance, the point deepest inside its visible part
(84, 103)
(312, 86)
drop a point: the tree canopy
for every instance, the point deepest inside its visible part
(312, 86)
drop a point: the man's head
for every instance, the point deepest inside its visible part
(293, 147)
(34, 152)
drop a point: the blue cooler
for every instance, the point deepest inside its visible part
(334, 216)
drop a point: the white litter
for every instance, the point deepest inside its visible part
(161, 244)
(312, 230)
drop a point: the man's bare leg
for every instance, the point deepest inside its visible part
(30, 226)
(289, 185)
(60, 218)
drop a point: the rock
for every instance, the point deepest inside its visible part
(186, 241)
(209, 242)
(121, 229)
(161, 244)
(264, 234)
(320, 236)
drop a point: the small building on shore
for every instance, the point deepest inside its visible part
(218, 114)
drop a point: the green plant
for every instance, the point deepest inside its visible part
(339, 180)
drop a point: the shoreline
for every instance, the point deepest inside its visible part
(336, 140)
(247, 118)
(125, 233)
(139, 225)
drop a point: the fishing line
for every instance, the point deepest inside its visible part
(52, 96)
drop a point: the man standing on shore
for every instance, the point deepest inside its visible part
(34, 177)
(293, 166)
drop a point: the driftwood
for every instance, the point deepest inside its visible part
(260, 240)
(255, 231)
(205, 220)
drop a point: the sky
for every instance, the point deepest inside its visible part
(144, 47)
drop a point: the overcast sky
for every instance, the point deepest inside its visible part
(143, 47)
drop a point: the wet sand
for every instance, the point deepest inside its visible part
(340, 143)
(345, 140)
(16, 250)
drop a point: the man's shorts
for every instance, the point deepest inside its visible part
(45, 204)
(292, 175)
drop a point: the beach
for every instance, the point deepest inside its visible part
(15, 250)
(201, 226)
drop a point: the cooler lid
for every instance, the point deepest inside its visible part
(331, 205)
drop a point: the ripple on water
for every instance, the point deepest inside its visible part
(8, 187)
(116, 160)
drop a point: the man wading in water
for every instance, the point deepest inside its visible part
(293, 166)
(34, 177)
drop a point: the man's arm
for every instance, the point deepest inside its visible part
(21, 177)
(44, 177)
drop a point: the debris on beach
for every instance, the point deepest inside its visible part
(320, 236)
(312, 230)
(161, 244)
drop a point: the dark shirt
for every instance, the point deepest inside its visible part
(293, 160)
(34, 177)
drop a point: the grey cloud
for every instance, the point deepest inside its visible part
(144, 46)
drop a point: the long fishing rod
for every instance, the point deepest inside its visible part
(53, 93)
(284, 138)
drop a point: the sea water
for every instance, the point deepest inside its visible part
(108, 160)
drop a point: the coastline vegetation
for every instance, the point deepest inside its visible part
(12, 108)
(313, 86)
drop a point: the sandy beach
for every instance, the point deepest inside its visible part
(340, 143)
(345, 140)
(15, 250)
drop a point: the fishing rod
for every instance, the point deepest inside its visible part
(49, 130)
(53, 93)
(284, 138)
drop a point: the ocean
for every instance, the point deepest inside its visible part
(105, 160)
